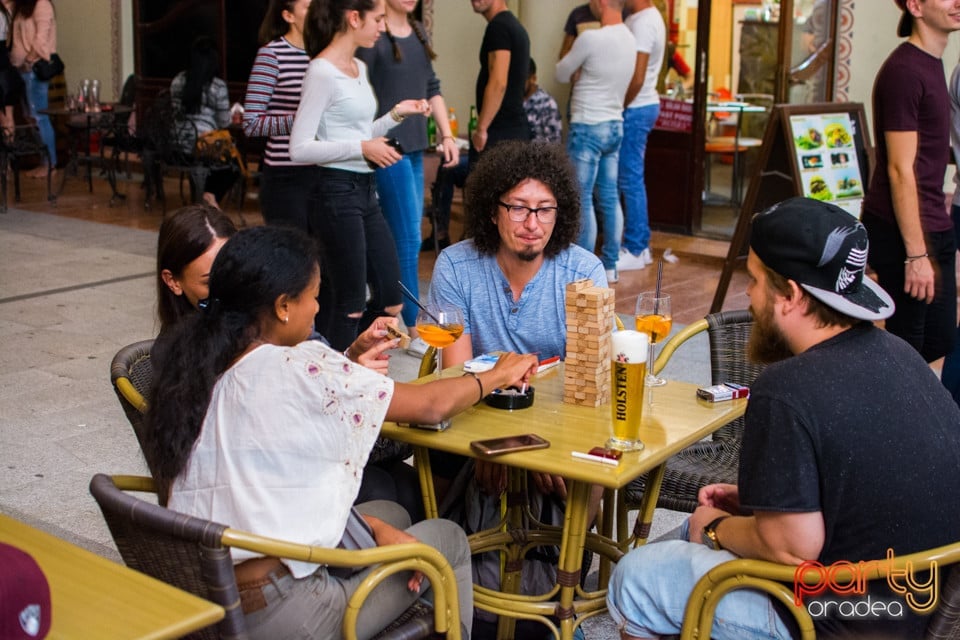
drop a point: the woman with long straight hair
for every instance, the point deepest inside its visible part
(401, 67)
(253, 425)
(335, 129)
(34, 37)
(273, 95)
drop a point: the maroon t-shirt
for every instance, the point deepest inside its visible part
(910, 94)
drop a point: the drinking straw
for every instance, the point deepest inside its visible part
(656, 295)
(412, 297)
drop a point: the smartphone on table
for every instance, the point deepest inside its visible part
(509, 444)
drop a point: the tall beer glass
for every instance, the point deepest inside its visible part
(628, 373)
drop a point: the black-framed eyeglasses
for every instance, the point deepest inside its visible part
(520, 213)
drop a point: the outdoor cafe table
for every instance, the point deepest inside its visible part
(92, 597)
(675, 420)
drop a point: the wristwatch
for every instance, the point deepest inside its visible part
(709, 535)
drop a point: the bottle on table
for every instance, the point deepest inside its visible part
(472, 124)
(454, 127)
(431, 132)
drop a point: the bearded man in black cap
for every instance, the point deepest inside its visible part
(840, 404)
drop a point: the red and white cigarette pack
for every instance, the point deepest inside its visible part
(722, 392)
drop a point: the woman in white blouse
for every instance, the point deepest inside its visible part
(335, 128)
(254, 426)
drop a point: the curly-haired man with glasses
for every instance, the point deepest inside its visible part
(522, 211)
(509, 278)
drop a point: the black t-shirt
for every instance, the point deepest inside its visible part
(859, 428)
(504, 32)
(910, 94)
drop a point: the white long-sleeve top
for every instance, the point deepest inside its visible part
(335, 115)
(606, 58)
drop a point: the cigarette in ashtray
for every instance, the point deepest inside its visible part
(396, 334)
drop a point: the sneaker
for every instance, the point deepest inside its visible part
(612, 276)
(630, 262)
(647, 256)
(417, 348)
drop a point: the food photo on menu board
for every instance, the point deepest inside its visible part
(827, 159)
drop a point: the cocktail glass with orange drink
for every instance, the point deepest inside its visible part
(440, 326)
(654, 319)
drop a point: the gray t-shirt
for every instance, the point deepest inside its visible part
(536, 323)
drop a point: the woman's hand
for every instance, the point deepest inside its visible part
(413, 107)
(379, 152)
(386, 534)
(451, 152)
(372, 345)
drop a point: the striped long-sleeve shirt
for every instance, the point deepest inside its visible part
(273, 95)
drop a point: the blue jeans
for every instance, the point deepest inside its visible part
(950, 375)
(650, 586)
(356, 250)
(36, 93)
(637, 124)
(400, 187)
(595, 152)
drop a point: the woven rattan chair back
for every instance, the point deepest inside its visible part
(177, 549)
(729, 333)
(131, 373)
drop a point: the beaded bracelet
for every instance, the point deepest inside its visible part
(479, 383)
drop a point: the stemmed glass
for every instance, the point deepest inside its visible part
(440, 326)
(654, 319)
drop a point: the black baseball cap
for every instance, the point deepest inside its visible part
(824, 250)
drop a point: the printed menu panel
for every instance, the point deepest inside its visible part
(827, 159)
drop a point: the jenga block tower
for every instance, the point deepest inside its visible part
(590, 312)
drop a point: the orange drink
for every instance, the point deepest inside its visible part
(655, 325)
(440, 336)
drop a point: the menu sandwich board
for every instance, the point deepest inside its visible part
(819, 151)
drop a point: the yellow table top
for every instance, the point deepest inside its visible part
(676, 420)
(92, 597)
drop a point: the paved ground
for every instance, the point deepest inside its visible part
(72, 293)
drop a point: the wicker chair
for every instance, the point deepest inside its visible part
(705, 462)
(777, 580)
(194, 555)
(132, 374)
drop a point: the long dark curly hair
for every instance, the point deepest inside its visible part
(326, 18)
(503, 167)
(253, 269)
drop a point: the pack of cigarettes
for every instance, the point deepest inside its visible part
(725, 391)
(482, 363)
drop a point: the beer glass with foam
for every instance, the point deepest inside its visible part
(628, 372)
